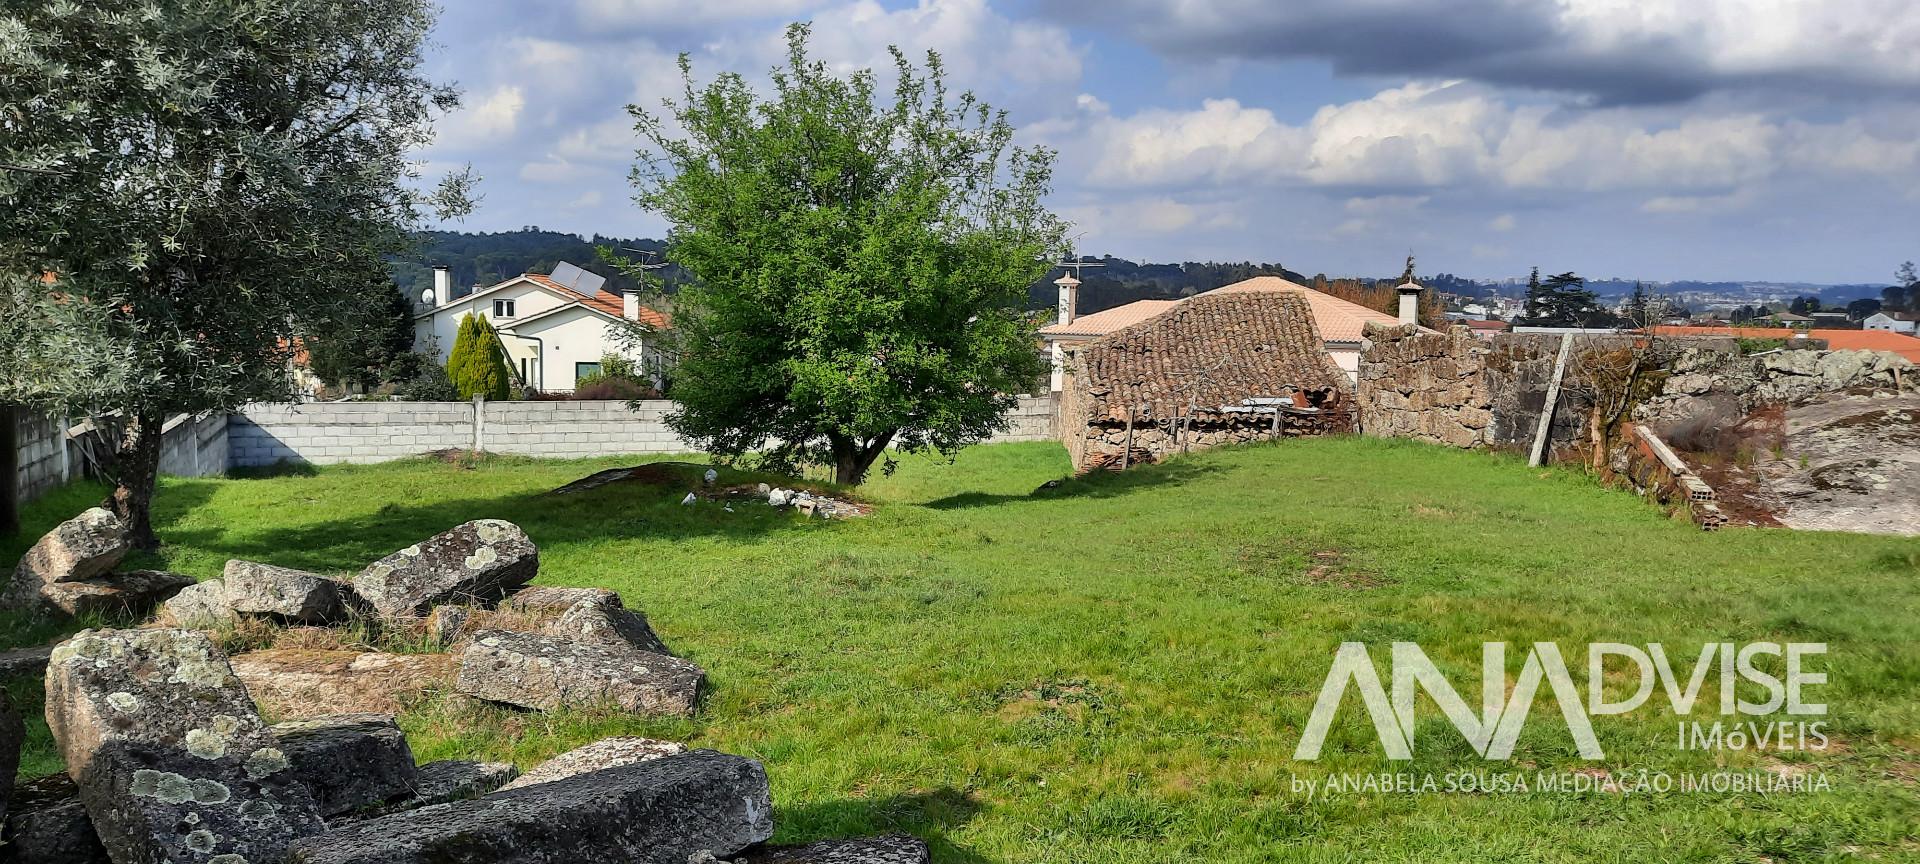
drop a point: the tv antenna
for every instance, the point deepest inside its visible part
(1077, 265)
(649, 259)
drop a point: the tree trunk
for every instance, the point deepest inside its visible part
(851, 459)
(136, 467)
(9, 472)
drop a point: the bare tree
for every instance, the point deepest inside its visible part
(1612, 375)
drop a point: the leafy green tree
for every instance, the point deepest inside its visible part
(209, 182)
(859, 267)
(1563, 300)
(478, 364)
(1531, 309)
(376, 333)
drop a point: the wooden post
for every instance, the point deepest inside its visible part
(1540, 432)
(9, 471)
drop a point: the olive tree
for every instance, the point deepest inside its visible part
(859, 262)
(190, 188)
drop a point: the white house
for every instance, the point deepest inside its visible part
(555, 327)
(1893, 322)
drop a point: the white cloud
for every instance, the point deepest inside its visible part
(495, 116)
(1503, 222)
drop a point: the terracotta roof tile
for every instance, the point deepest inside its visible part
(608, 303)
(1339, 320)
(1215, 348)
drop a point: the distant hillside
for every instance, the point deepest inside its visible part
(486, 258)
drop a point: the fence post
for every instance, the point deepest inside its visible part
(1541, 431)
(479, 422)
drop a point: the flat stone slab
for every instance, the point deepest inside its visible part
(200, 606)
(598, 756)
(480, 561)
(886, 849)
(543, 672)
(282, 592)
(594, 615)
(662, 811)
(132, 592)
(47, 824)
(441, 782)
(349, 761)
(25, 661)
(173, 762)
(302, 684)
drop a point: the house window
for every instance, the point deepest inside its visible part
(503, 308)
(585, 370)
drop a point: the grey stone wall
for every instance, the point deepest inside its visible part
(366, 432)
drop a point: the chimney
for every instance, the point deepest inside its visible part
(1069, 298)
(630, 305)
(1410, 302)
(442, 285)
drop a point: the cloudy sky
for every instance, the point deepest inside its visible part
(1685, 139)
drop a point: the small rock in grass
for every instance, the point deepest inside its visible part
(201, 606)
(600, 755)
(86, 546)
(282, 592)
(481, 561)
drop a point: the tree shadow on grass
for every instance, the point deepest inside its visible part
(928, 815)
(1103, 484)
(610, 513)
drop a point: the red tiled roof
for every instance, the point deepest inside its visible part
(608, 303)
(1339, 320)
(1211, 350)
(1839, 340)
(1108, 320)
(1497, 326)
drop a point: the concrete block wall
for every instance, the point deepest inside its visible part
(194, 446)
(572, 430)
(365, 432)
(1032, 420)
(327, 433)
(42, 453)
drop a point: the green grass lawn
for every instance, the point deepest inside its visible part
(1118, 669)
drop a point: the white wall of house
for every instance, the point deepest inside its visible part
(1347, 359)
(570, 337)
(434, 334)
(1883, 321)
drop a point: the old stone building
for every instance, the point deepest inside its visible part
(1216, 368)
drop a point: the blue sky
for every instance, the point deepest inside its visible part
(1691, 139)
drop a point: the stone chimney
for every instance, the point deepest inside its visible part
(442, 285)
(1410, 302)
(1069, 298)
(630, 305)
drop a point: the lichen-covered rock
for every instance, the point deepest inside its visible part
(441, 782)
(201, 606)
(172, 761)
(13, 734)
(282, 592)
(662, 811)
(349, 761)
(25, 661)
(83, 547)
(47, 824)
(544, 672)
(592, 615)
(132, 592)
(445, 624)
(300, 684)
(480, 561)
(885, 849)
(600, 755)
